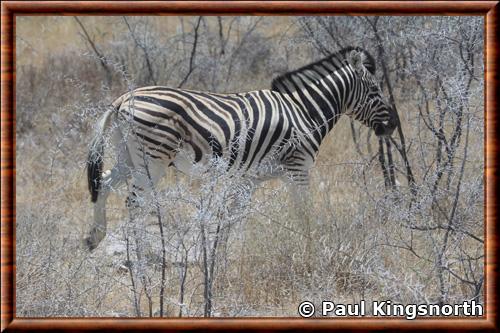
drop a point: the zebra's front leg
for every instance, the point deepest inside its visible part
(243, 195)
(302, 206)
(141, 201)
(298, 187)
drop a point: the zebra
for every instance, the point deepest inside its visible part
(155, 127)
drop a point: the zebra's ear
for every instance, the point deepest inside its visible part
(356, 59)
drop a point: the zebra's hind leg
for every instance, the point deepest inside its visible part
(143, 200)
(142, 187)
(111, 179)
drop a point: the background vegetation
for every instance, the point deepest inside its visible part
(375, 231)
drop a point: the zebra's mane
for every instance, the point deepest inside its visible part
(369, 63)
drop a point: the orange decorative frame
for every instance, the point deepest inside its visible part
(10, 9)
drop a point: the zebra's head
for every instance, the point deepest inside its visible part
(368, 104)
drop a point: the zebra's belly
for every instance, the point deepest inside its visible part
(267, 169)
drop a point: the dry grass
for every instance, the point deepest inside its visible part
(347, 246)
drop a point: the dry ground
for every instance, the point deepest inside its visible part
(351, 244)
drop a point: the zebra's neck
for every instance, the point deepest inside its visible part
(322, 89)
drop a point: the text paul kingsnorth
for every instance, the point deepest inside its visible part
(408, 311)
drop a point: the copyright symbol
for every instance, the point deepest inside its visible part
(306, 309)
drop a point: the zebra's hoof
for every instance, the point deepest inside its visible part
(96, 235)
(90, 243)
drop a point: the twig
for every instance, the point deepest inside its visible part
(193, 53)
(142, 46)
(100, 56)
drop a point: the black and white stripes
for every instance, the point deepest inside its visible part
(262, 134)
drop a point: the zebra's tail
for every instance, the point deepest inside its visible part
(95, 158)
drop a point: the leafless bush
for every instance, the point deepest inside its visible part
(365, 235)
(438, 70)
